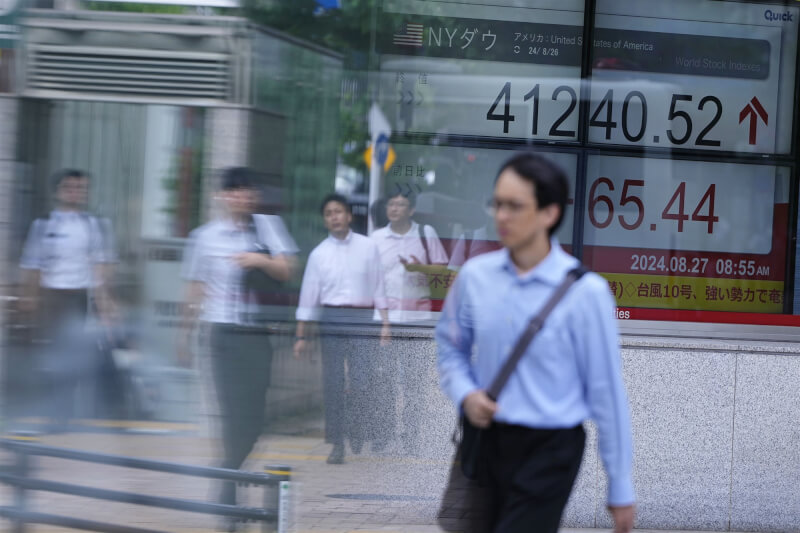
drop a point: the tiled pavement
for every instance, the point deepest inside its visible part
(370, 492)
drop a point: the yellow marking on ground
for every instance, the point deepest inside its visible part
(289, 456)
(278, 472)
(289, 446)
(22, 437)
(128, 424)
(355, 459)
(139, 424)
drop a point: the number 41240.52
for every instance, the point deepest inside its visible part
(533, 96)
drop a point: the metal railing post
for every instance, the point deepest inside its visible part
(278, 497)
(21, 469)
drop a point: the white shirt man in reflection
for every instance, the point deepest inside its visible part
(534, 442)
(216, 263)
(343, 284)
(409, 252)
(66, 263)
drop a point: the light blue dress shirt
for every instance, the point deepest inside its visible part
(570, 372)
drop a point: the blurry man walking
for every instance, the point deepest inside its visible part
(66, 264)
(534, 437)
(216, 264)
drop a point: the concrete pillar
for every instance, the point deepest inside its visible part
(227, 145)
(9, 109)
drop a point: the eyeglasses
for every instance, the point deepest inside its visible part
(494, 206)
(398, 203)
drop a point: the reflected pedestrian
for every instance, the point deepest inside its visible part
(534, 438)
(342, 284)
(409, 253)
(66, 264)
(220, 256)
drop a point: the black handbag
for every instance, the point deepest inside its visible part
(468, 464)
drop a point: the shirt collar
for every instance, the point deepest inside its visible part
(58, 213)
(346, 240)
(228, 224)
(412, 230)
(551, 269)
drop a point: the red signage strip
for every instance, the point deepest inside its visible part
(716, 317)
(697, 264)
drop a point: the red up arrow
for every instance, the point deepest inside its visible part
(755, 110)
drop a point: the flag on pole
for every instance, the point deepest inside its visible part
(382, 154)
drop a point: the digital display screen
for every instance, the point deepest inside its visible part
(703, 229)
(700, 235)
(694, 75)
(489, 71)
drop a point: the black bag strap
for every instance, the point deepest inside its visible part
(534, 326)
(258, 242)
(424, 241)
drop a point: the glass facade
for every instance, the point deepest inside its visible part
(661, 159)
(209, 138)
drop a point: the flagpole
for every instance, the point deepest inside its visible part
(375, 172)
(379, 129)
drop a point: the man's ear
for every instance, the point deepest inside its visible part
(551, 214)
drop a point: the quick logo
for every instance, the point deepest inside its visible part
(774, 16)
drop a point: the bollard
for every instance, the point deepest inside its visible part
(278, 497)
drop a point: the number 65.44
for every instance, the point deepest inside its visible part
(674, 210)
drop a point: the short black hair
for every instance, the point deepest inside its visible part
(550, 184)
(66, 173)
(335, 197)
(410, 196)
(237, 178)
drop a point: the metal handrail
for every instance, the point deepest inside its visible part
(144, 464)
(275, 483)
(175, 504)
(64, 521)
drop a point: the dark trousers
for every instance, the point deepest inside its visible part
(348, 369)
(241, 361)
(69, 357)
(530, 476)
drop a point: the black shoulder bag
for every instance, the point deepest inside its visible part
(468, 461)
(257, 283)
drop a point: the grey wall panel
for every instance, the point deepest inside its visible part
(766, 444)
(585, 499)
(682, 411)
(226, 146)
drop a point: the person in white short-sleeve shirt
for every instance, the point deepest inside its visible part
(404, 247)
(66, 262)
(409, 253)
(220, 255)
